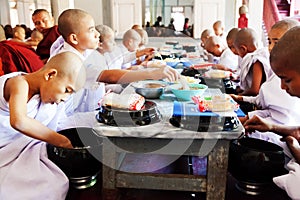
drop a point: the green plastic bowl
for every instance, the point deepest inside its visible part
(186, 95)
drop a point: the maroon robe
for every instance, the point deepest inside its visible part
(16, 56)
(43, 48)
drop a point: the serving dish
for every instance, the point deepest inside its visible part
(217, 73)
(196, 89)
(150, 89)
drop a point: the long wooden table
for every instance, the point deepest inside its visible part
(163, 138)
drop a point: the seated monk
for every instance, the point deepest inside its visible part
(44, 23)
(16, 56)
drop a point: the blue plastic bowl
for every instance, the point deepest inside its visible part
(196, 89)
(186, 63)
(172, 64)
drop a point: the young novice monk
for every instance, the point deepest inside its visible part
(219, 30)
(107, 39)
(268, 106)
(255, 66)
(285, 63)
(30, 111)
(130, 43)
(205, 34)
(77, 28)
(227, 59)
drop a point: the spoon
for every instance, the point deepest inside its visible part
(184, 83)
(156, 53)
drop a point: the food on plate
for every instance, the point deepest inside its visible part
(191, 88)
(171, 60)
(217, 73)
(124, 101)
(203, 65)
(154, 85)
(189, 79)
(216, 103)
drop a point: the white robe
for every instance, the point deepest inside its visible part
(119, 58)
(277, 106)
(85, 100)
(229, 59)
(25, 170)
(261, 55)
(275, 103)
(290, 182)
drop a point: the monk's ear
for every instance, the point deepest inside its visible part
(243, 49)
(49, 74)
(128, 42)
(73, 38)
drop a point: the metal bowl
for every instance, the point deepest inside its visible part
(144, 88)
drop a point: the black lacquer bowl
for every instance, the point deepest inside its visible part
(254, 162)
(205, 123)
(149, 114)
(80, 163)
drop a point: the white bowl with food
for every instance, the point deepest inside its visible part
(217, 73)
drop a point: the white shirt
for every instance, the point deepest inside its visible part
(119, 57)
(275, 104)
(229, 59)
(87, 98)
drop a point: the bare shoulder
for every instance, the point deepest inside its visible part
(15, 84)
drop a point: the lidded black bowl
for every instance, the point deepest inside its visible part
(80, 164)
(254, 163)
(149, 114)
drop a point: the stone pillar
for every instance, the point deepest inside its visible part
(4, 12)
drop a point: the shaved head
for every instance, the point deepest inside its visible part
(232, 34)
(247, 37)
(285, 24)
(131, 34)
(104, 31)
(206, 33)
(144, 36)
(287, 51)
(68, 65)
(69, 21)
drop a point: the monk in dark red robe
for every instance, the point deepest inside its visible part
(43, 48)
(16, 56)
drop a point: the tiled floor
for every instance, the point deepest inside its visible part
(94, 193)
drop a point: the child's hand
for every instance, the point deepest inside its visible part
(146, 51)
(243, 119)
(166, 72)
(257, 123)
(64, 142)
(236, 97)
(293, 145)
